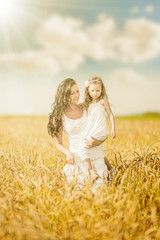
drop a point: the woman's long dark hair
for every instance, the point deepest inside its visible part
(60, 103)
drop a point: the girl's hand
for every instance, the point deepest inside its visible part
(70, 158)
(113, 133)
(102, 102)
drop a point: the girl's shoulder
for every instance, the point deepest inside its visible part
(96, 108)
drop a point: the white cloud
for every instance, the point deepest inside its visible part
(71, 42)
(132, 93)
(134, 10)
(31, 60)
(65, 39)
(149, 9)
(128, 76)
(141, 40)
(65, 43)
(137, 42)
(103, 33)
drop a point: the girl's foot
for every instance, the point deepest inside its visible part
(93, 175)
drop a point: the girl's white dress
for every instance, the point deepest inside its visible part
(96, 127)
(76, 130)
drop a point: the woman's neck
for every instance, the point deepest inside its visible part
(72, 106)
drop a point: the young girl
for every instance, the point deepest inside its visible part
(96, 103)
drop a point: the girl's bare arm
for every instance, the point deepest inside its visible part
(107, 107)
(110, 116)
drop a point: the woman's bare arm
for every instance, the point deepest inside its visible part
(93, 142)
(62, 149)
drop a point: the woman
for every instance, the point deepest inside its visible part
(69, 116)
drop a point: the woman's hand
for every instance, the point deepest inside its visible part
(92, 142)
(70, 158)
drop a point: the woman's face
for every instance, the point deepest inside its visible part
(75, 94)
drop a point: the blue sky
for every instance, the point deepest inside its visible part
(44, 41)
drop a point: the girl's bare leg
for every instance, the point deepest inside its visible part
(87, 163)
(111, 170)
(93, 175)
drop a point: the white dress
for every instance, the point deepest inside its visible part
(96, 127)
(74, 130)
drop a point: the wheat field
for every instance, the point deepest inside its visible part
(34, 199)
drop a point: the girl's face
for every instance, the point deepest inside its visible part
(95, 90)
(75, 94)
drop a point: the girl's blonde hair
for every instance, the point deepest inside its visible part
(59, 105)
(87, 98)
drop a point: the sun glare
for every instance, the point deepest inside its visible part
(7, 9)
(16, 20)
